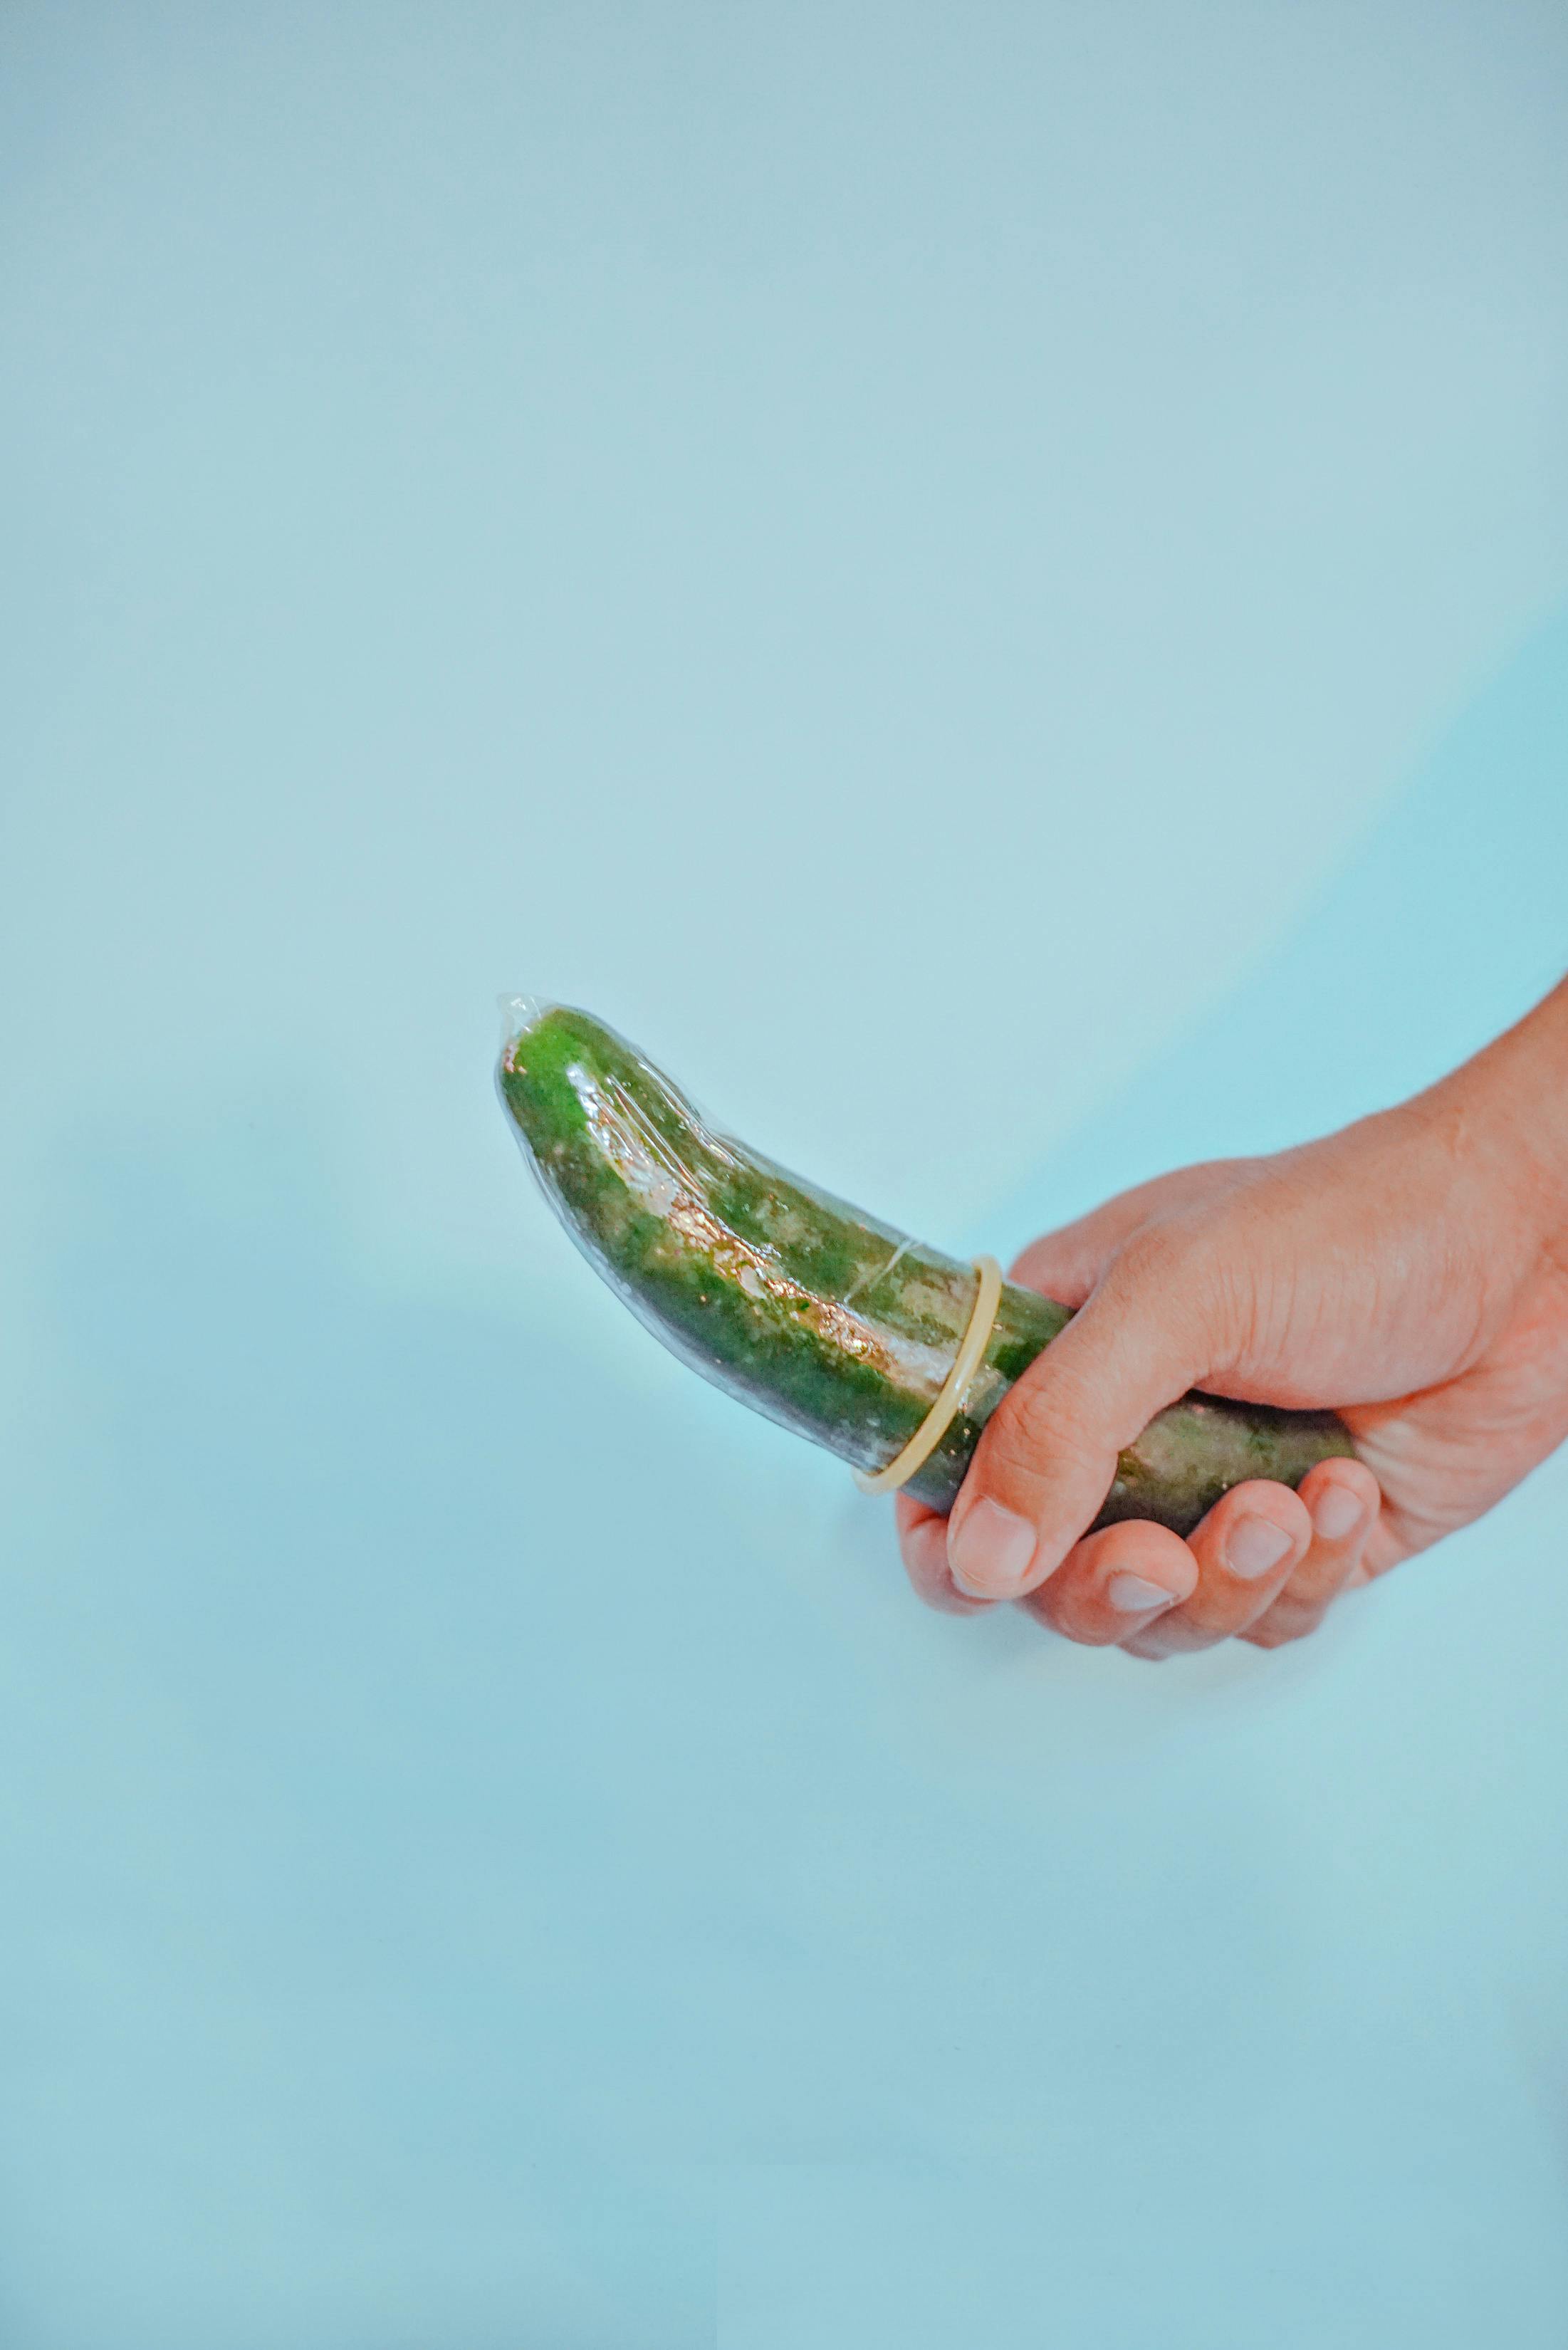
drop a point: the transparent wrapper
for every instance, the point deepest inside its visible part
(832, 1323)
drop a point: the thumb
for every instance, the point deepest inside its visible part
(1048, 1455)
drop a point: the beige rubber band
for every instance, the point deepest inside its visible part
(951, 1395)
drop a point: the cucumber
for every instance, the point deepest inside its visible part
(832, 1323)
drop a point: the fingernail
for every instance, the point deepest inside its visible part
(1337, 1512)
(930, 1542)
(1255, 1546)
(1134, 1595)
(991, 1552)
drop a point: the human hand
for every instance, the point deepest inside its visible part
(1411, 1272)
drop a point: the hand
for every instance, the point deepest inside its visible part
(1411, 1272)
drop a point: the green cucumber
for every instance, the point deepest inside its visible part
(832, 1323)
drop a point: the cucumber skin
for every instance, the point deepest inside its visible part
(812, 1313)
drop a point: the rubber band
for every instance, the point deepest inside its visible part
(954, 1389)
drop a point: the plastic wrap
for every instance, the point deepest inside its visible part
(830, 1322)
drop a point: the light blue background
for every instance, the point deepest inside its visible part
(987, 582)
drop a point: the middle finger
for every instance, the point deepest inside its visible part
(1246, 1548)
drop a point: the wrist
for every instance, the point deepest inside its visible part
(1509, 1109)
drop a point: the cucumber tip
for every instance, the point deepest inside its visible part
(518, 1015)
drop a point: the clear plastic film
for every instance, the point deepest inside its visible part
(811, 1311)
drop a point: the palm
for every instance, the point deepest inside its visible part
(1446, 1454)
(1373, 1273)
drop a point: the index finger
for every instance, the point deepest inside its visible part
(923, 1547)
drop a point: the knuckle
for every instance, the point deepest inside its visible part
(1034, 1264)
(1034, 1421)
(1179, 1263)
(1153, 1254)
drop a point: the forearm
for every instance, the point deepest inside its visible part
(1507, 1109)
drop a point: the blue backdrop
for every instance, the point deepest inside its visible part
(987, 582)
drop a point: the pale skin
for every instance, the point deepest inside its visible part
(1410, 1271)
